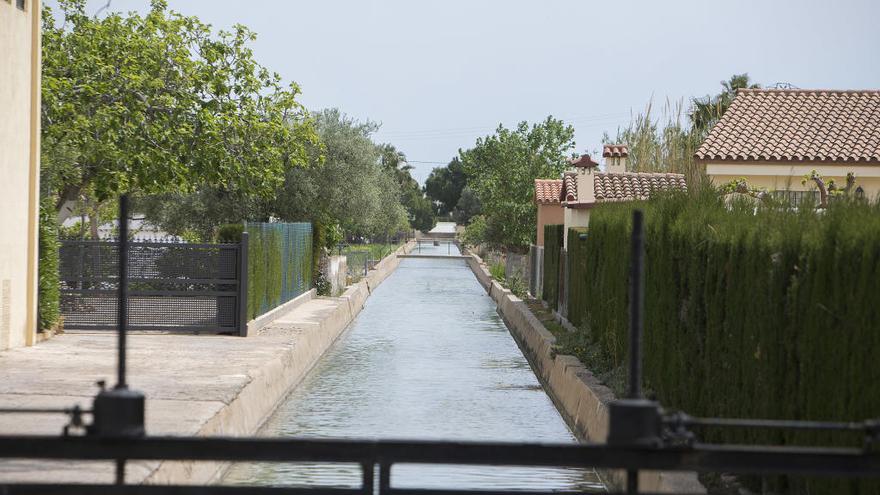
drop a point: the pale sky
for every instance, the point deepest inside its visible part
(439, 74)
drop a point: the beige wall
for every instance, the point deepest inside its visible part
(19, 169)
(549, 214)
(575, 217)
(774, 176)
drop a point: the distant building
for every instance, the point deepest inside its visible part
(138, 227)
(550, 210)
(19, 169)
(773, 137)
(585, 187)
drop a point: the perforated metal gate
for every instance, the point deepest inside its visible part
(172, 286)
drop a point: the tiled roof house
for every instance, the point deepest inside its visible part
(773, 137)
(550, 211)
(585, 187)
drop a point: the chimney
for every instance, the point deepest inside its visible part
(615, 158)
(585, 168)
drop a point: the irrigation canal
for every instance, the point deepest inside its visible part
(427, 358)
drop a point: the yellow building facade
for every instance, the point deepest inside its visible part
(774, 137)
(19, 169)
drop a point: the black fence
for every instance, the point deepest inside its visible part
(173, 286)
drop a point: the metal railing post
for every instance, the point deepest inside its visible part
(636, 305)
(243, 285)
(122, 302)
(636, 324)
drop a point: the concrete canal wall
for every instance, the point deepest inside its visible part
(580, 397)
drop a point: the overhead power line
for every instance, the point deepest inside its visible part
(579, 120)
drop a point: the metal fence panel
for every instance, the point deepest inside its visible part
(279, 264)
(172, 285)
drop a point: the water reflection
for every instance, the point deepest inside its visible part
(427, 358)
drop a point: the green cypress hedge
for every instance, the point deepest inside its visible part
(280, 264)
(767, 314)
(552, 245)
(49, 285)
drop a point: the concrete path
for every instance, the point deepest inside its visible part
(195, 385)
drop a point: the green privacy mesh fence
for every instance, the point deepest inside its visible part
(279, 264)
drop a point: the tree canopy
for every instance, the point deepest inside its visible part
(501, 170)
(418, 207)
(445, 184)
(345, 185)
(158, 103)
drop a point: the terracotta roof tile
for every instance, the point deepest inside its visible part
(583, 161)
(626, 186)
(797, 125)
(629, 186)
(547, 191)
(569, 188)
(614, 150)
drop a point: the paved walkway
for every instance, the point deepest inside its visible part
(190, 382)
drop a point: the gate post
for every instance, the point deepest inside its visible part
(243, 285)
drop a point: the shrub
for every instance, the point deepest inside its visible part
(48, 311)
(475, 233)
(497, 271)
(230, 232)
(763, 314)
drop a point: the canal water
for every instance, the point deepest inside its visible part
(427, 358)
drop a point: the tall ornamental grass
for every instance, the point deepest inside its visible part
(773, 313)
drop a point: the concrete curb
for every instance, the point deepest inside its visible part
(264, 319)
(272, 382)
(580, 397)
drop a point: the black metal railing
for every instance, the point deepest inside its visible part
(376, 457)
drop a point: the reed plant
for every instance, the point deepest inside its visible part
(663, 141)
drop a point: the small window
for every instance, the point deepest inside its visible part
(19, 4)
(860, 193)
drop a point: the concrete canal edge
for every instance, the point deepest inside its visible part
(246, 412)
(579, 396)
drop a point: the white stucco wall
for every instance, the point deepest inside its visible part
(575, 217)
(19, 169)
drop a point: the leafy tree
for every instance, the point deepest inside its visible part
(418, 208)
(502, 168)
(468, 207)
(344, 188)
(706, 111)
(347, 184)
(157, 104)
(445, 185)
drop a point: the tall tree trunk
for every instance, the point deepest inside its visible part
(94, 218)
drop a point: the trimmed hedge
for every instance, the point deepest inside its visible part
(552, 247)
(49, 295)
(280, 264)
(767, 314)
(577, 288)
